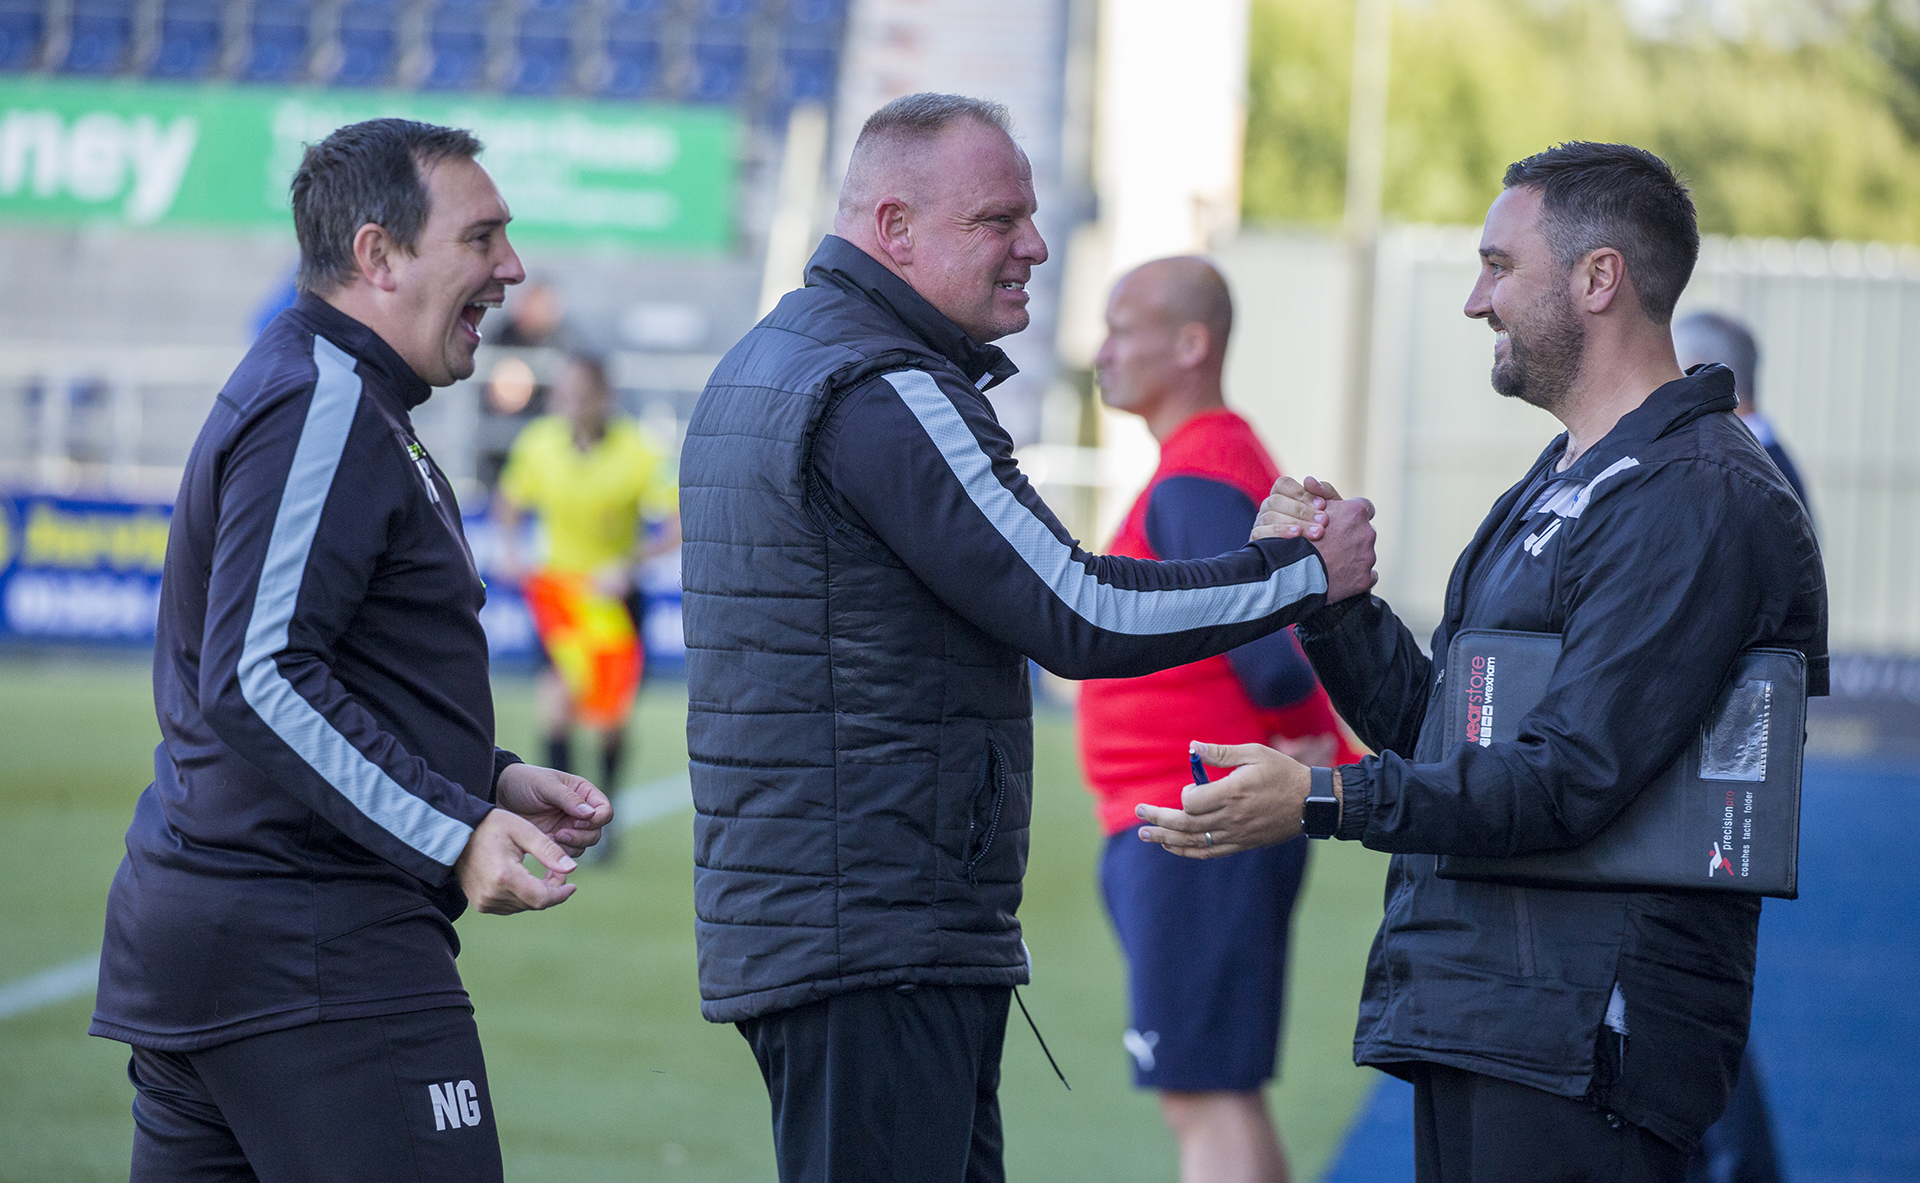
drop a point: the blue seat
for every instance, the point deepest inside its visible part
(544, 65)
(457, 39)
(815, 12)
(368, 43)
(189, 39)
(23, 26)
(633, 49)
(102, 32)
(720, 56)
(810, 50)
(633, 68)
(543, 47)
(278, 43)
(719, 71)
(807, 74)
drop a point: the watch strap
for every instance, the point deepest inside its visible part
(1320, 815)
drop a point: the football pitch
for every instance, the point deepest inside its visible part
(600, 1065)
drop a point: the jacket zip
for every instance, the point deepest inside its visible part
(997, 785)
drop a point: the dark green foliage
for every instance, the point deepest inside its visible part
(1808, 125)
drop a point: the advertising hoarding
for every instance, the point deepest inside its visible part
(84, 571)
(143, 154)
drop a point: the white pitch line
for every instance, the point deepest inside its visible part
(632, 807)
(49, 986)
(656, 799)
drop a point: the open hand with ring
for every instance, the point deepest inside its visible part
(1257, 804)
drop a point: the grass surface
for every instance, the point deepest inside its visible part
(600, 1065)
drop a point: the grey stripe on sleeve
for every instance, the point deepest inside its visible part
(336, 395)
(1118, 610)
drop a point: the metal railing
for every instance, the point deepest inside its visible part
(121, 420)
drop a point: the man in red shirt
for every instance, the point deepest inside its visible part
(1205, 1008)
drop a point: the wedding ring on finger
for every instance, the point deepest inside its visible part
(1209, 836)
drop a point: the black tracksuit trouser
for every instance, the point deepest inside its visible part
(1470, 1128)
(898, 1082)
(387, 1099)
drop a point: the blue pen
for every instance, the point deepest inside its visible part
(1199, 769)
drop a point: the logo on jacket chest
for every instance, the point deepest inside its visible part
(424, 467)
(1537, 541)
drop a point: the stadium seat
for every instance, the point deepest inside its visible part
(189, 39)
(633, 49)
(808, 74)
(277, 41)
(544, 47)
(719, 72)
(23, 25)
(633, 69)
(367, 43)
(720, 57)
(102, 34)
(457, 38)
(810, 51)
(817, 13)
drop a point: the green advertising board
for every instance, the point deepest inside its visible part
(166, 155)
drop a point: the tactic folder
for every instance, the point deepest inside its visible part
(1725, 816)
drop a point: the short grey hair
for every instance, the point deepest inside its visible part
(1715, 336)
(920, 117)
(909, 122)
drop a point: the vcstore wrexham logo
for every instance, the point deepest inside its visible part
(97, 158)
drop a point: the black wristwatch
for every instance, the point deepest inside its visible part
(1320, 816)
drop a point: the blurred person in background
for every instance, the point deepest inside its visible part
(867, 573)
(607, 502)
(536, 318)
(1716, 337)
(327, 795)
(1166, 346)
(1739, 1147)
(1558, 1034)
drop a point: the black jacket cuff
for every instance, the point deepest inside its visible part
(1326, 620)
(501, 759)
(1356, 799)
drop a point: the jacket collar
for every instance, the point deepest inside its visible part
(367, 347)
(1704, 390)
(840, 264)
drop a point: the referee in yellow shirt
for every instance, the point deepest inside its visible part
(595, 481)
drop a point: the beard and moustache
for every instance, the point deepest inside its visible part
(1544, 351)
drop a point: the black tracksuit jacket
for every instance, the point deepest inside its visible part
(1670, 546)
(867, 572)
(320, 677)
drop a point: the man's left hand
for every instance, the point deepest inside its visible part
(1259, 803)
(1290, 511)
(567, 808)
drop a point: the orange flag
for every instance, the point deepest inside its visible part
(590, 638)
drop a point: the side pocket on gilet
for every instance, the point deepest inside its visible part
(983, 818)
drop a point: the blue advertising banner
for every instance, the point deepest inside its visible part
(81, 570)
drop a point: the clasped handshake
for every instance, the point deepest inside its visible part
(1260, 802)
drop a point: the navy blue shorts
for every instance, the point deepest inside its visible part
(1206, 948)
(400, 1098)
